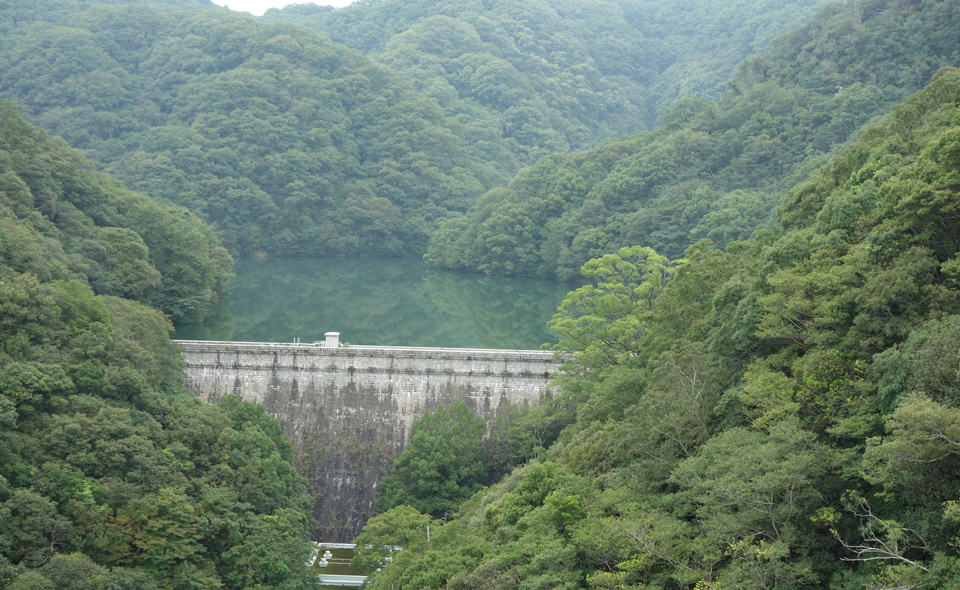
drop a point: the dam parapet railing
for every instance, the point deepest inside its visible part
(512, 364)
(321, 346)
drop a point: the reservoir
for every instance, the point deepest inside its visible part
(387, 302)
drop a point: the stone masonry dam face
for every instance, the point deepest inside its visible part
(350, 409)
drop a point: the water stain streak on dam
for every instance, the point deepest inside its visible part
(351, 408)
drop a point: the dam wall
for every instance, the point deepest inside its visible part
(350, 409)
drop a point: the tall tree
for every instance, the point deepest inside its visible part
(444, 464)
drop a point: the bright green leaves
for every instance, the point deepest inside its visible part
(759, 564)
(745, 482)
(921, 453)
(84, 225)
(729, 404)
(603, 321)
(82, 310)
(165, 529)
(34, 386)
(768, 395)
(111, 476)
(29, 315)
(640, 545)
(400, 527)
(129, 265)
(32, 530)
(809, 302)
(532, 485)
(639, 269)
(444, 464)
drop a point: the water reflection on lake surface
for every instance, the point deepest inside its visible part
(393, 302)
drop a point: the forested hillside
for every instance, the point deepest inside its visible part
(783, 413)
(715, 169)
(15, 14)
(559, 75)
(287, 143)
(290, 145)
(112, 476)
(63, 220)
(774, 406)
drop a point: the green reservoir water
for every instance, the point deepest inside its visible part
(390, 302)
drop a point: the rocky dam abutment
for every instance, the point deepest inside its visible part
(350, 409)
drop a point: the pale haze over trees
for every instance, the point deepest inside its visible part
(258, 7)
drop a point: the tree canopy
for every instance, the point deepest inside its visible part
(292, 145)
(714, 170)
(112, 475)
(781, 413)
(62, 220)
(562, 74)
(285, 142)
(755, 397)
(443, 465)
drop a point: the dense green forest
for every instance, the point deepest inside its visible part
(64, 221)
(290, 144)
(287, 143)
(758, 396)
(782, 413)
(714, 169)
(112, 475)
(558, 75)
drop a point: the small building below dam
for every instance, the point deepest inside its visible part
(350, 409)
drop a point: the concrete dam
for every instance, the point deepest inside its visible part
(350, 409)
